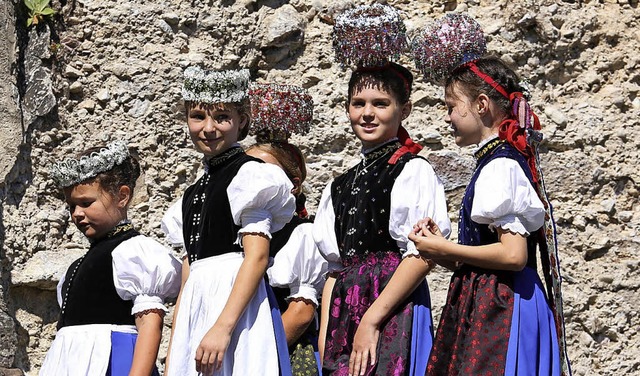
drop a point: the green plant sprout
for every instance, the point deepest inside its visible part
(38, 10)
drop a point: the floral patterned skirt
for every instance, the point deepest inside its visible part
(406, 336)
(495, 323)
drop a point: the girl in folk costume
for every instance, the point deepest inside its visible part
(497, 318)
(298, 272)
(375, 316)
(223, 314)
(112, 298)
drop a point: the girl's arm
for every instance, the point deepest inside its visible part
(409, 274)
(185, 276)
(324, 314)
(146, 350)
(510, 253)
(210, 352)
(296, 319)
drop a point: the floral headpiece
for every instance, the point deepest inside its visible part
(72, 171)
(448, 43)
(369, 35)
(277, 111)
(203, 86)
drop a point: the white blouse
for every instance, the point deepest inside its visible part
(299, 266)
(505, 198)
(260, 199)
(145, 272)
(416, 194)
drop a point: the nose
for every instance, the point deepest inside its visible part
(368, 111)
(447, 118)
(77, 212)
(209, 125)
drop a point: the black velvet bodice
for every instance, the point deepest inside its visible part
(208, 226)
(88, 293)
(361, 200)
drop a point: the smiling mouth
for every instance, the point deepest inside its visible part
(368, 126)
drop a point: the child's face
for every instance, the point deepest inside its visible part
(214, 128)
(375, 115)
(93, 210)
(466, 125)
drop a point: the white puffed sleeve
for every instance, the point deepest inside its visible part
(416, 194)
(146, 272)
(299, 266)
(324, 232)
(171, 225)
(260, 199)
(505, 198)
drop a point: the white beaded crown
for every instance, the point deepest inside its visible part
(204, 86)
(72, 171)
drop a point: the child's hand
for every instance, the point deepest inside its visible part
(210, 352)
(426, 234)
(365, 344)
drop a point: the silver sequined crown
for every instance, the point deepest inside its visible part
(72, 171)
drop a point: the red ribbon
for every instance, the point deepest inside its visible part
(408, 146)
(514, 129)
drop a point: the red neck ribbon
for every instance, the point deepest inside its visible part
(408, 146)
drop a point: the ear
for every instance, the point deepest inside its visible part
(297, 185)
(406, 109)
(124, 196)
(482, 104)
(244, 120)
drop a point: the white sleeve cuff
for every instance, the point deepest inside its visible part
(510, 223)
(256, 221)
(145, 302)
(411, 250)
(304, 291)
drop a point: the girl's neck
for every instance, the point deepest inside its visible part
(486, 139)
(373, 148)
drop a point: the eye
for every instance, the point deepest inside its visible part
(196, 116)
(357, 103)
(381, 104)
(220, 118)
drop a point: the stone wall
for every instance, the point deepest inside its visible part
(104, 69)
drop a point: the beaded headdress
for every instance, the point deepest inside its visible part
(369, 35)
(204, 86)
(277, 111)
(72, 171)
(450, 42)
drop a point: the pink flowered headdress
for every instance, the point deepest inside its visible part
(277, 111)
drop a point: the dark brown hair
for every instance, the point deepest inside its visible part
(289, 156)
(472, 85)
(392, 78)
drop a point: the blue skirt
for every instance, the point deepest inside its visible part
(121, 359)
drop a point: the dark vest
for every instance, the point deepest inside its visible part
(472, 233)
(88, 293)
(208, 226)
(361, 200)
